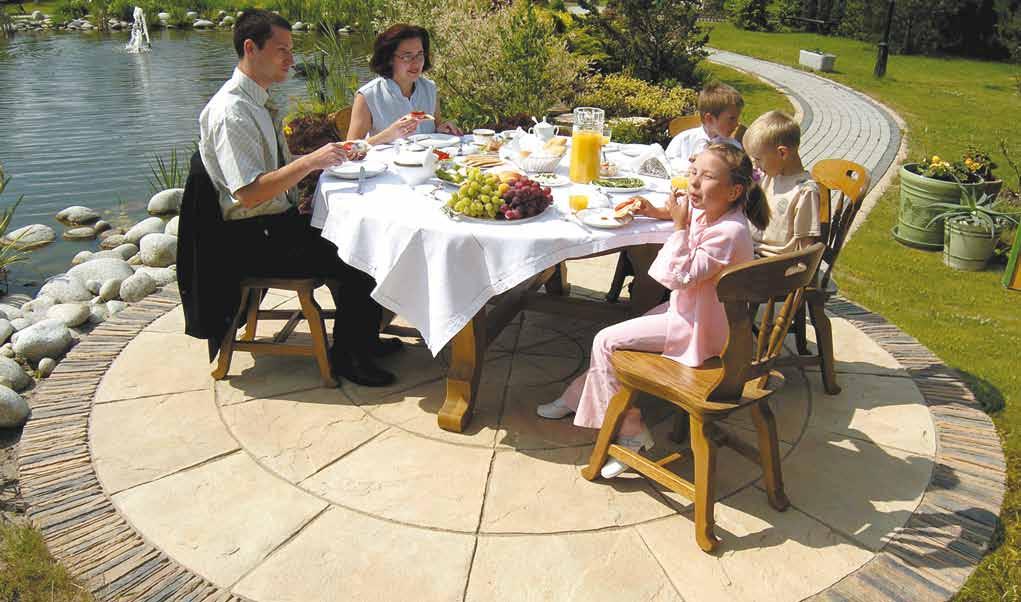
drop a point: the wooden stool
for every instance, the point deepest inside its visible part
(252, 290)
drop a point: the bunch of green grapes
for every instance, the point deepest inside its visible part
(479, 195)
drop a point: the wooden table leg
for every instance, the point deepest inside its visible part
(468, 349)
(557, 284)
(646, 293)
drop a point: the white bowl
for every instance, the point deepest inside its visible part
(413, 170)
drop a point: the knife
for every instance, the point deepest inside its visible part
(361, 179)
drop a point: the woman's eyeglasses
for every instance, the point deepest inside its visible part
(406, 57)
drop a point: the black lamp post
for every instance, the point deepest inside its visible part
(884, 46)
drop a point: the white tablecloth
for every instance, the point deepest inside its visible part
(437, 272)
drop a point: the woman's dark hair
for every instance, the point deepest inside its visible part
(256, 25)
(388, 41)
(753, 199)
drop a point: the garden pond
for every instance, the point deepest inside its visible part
(80, 120)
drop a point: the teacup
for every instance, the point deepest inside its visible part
(544, 131)
(483, 137)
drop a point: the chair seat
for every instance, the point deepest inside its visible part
(683, 385)
(287, 284)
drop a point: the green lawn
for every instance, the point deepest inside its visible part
(968, 319)
(29, 574)
(759, 97)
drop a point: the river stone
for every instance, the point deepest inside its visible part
(166, 202)
(137, 287)
(13, 409)
(101, 269)
(6, 330)
(76, 215)
(31, 236)
(12, 375)
(115, 307)
(49, 338)
(159, 250)
(10, 311)
(71, 314)
(203, 24)
(228, 21)
(126, 251)
(98, 314)
(37, 15)
(171, 227)
(81, 233)
(162, 276)
(101, 226)
(113, 241)
(46, 366)
(163, 16)
(135, 261)
(298, 26)
(149, 225)
(7, 350)
(20, 324)
(70, 287)
(110, 289)
(93, 286)
(81, 257)
(191, 14)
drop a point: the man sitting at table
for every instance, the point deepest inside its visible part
(244, 152)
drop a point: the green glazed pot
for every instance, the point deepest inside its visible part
(917, 194)
(967, 246)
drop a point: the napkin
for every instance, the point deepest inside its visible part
(652, 162)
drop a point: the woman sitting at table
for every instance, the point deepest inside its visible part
(712, 233)
(399, 102)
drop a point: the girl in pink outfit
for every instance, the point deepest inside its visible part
(712, 233)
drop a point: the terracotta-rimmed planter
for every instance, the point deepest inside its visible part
(915, 226)
(966, 245)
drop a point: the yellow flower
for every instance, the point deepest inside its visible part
(288, 130)
(935, 159)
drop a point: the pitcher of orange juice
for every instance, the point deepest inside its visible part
(586, 144)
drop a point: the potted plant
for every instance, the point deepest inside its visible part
(971, 228)
(979, 163)
(817, 59)
(922, 185)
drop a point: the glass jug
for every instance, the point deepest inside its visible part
(586, 144)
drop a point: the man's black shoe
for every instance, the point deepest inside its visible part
(362, 371)
(387, 347)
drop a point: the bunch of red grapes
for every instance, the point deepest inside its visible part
(523, 198)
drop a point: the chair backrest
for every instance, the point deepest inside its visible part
(342, 121)
(763, 282)
(842, 186)
(684, 122)
(738, 133)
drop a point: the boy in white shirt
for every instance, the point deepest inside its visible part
(719, 106)
(772, 142)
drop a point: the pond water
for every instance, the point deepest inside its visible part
(80, 119)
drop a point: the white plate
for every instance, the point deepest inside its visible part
(350, 170)
(611, 190)
(553, 181)
(436, 140)
(632, 150)
(602, 218)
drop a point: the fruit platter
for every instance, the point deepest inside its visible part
(505, 198)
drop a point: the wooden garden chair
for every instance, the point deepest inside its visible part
(252, 291)
(740, 378)
(684, 122)
(342, 121)
(842, 186)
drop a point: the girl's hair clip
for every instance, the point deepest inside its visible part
(757, 175)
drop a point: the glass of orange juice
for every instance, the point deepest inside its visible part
(578, 201)
(679, 182)
(607, 135)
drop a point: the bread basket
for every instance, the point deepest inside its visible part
(538, 163)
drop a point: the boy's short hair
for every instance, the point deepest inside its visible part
(257, 25)
(773, 129)
(717, 98)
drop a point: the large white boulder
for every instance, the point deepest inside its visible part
(137, 287)
(101, 269)
(142, 228)
(159, 250)
(6, 330)
(49, 338)
(171, 227)
(71, 314)
(13, 409)
(166, 202)
(126, 251)
(31, 236)
(76, 215)
(162, 276)
(12, 375)
(68, 288)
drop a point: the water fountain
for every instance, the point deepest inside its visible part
(139, 41)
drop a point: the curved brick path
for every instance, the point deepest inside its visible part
(150, 482)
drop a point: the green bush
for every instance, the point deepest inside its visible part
(493, 62)
(69, 10)
(751, 15)
(655, 40)
(625, 96)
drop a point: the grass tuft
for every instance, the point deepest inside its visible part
(29, 574)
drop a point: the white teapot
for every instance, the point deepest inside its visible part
(543, 130)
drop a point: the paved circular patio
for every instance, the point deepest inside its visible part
(146, 477)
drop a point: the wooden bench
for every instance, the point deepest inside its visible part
(824, 27)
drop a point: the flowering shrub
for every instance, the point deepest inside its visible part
(625, 96)
(940, 169)
(978, 163)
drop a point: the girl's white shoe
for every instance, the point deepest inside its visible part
(637, 443)
(554, 410)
